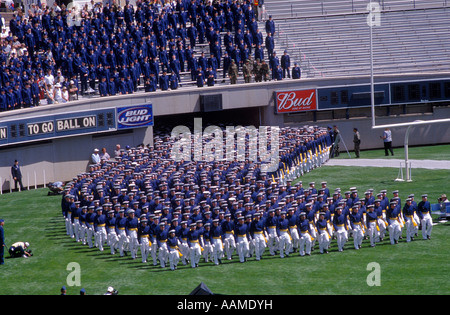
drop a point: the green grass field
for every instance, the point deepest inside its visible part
(432, 152)
(420, 267)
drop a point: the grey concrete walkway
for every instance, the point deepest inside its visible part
(395, 163)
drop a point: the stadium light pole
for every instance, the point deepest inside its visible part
(372, 87)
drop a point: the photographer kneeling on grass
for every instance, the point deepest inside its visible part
(20, 249)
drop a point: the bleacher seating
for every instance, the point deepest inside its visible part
(306, 8)
(408, 41)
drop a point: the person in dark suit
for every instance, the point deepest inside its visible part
(17, 175)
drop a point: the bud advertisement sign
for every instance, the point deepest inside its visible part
(295, 101)
(134, 116)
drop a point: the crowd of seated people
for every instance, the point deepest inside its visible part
(113, 50)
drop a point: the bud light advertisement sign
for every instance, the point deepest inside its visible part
(134, 116)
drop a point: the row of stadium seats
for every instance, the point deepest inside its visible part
(306, 8)
(406, 41)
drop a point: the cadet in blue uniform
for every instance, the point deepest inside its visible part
(174, 251)
(285, 243)
(241, 234)
(121, 225)
(296, 71)
(408, 213)
(286, 64)
(304, 229)
(112, 239)
(271, 228)
(423, 210)
(228, 239)
(16, 175)
(322, 231)
(100, 229)
(131, 229)
(83, 227)
(340, 226)
(356, 223)
(216, 241)
(194, 242)
(372, 225)
(161, 238)
(183, 240)
(90, 229)
(257, 230)
(207, 245)
(144, 238)
(394, 226)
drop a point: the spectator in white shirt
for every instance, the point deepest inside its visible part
(95, 157)
(387, 139)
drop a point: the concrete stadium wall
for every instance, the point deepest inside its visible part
(370, 138)
(63, 158)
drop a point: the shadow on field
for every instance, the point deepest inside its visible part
(55, 229)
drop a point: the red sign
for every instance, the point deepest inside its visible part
(296, 101)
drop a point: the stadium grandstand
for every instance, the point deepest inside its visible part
(116, 60)
(331, 38)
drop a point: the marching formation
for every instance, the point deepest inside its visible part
(146, 205)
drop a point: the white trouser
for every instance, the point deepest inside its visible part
(207, 250)
(217, 252)
(285, 244)
(324, 240)
(242, 247)
(341, 237)
(427, 225)
(76, 229)
(394, 230)
(112, 240)
(100, 237)
(313, 235)
(154, 252)
(174, 258)
(272, 241)
(69, 228)
(417, 220)
(145, 248)
(305, 241)
(410, 227)
(82, 233)
(195, 252)
(372, 232)
(295, 238)
(90, 233)
(163, 254)
(133, 243)
(358, 235)
(260, 245)
(123, 242)
(184, 250)
(251, 247)
(382, 226)
(229, 245)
